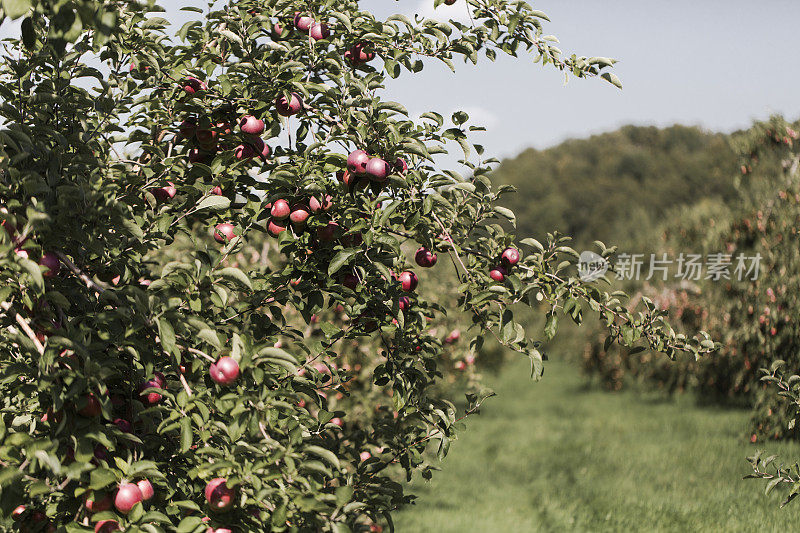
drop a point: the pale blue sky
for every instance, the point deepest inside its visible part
(717, 64)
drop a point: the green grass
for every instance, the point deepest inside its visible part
(554, 456)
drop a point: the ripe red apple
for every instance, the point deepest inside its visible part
(106, 526)
(98, 502)
(299, 214)
(364, 456)
(357, 162)
(328, 233)
(360, 53)
(425, 258)
(206, 138)
(196, 155)
(251, 125)
(225, 371)
(279, 32)
(453, 337)
(261, 148)
(377, 169)
(316, 205)
(275, 226)
(400, 166)
(319, 31)
(449, 2)
(460, 365)
(224, 232)
(188, 128)
(51, 263)
(287, 107)
(218, 495)
(337, 421)
(510, 257)
(280, 209)
(127, 496)
(243, 151)
(404, 302)
(150, 398)
(92, 407)
(303, 22)
(217, 190)
(194, 86)
(408, 280)
(498, 273)
(123, 425)
(165, 193)
(146, 489)
(17, 513)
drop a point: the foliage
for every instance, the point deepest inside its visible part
(752, 318)
(147, 256)
(579, 186)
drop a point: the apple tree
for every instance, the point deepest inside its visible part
(214, 238)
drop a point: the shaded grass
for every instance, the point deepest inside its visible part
(556, 456)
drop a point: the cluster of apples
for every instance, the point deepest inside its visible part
(206, 135)
(363, 168)
(508, 259)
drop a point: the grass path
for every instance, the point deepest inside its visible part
(551, 456)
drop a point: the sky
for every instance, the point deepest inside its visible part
(713, 63)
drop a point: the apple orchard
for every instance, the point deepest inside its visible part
(233, 275)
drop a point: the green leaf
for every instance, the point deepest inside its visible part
(186, 434)
(237, 276)
(325, 454)
(217, 203)
(340, 259)
(101, 477)
(37, 280)
(167, 334)
(16, 8)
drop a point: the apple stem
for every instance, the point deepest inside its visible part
(25, 327)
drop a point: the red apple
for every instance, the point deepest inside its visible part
(17, 513)
(92, 407)
(106, 526)
(319, 31)
(287, 107)
(303, 22)
(364, 456)
(317, 205)
(404, 302)
(279, 32)
(123, 425)
(408, 280)
(460, 365)
(328, 233)
(243, 151)
(165, 193)
(453, 337)
(498, 273)
(400, 166)
(150, 398)
(360, 53)
(146, 488)
(224, 232)
(225, 371)
(261, 148)
(280, 209)
(510, 257)
(51, 263)
(449, 2)
(251, 125)
(299, 214)
(357, 162)
(98, 502)
(193, 85)
(127, 496)
(275, 226)
(218, 495)
(188, 128)
(378, 169)
(217, 190)
(425, 258)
